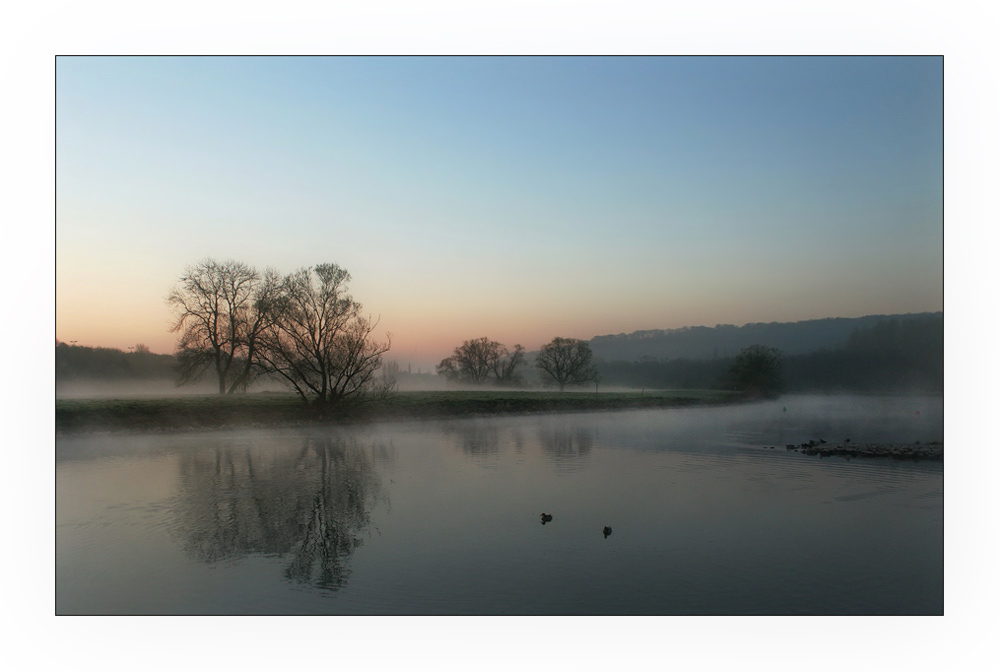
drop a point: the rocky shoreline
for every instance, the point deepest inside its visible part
(915, 451)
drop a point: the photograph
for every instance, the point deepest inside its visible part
(499, 335)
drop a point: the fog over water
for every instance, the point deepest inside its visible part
(442, 517)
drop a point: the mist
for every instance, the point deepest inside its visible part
(881, 354)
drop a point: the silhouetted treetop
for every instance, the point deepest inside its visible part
(565, 361)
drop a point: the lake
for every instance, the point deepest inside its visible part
(443, 516)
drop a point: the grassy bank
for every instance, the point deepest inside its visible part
(280, 409)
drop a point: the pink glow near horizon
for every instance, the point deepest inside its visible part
(517, 199)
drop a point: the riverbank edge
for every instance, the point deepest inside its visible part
(932, 451)
(203, 414)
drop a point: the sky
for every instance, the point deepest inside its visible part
(518, 198)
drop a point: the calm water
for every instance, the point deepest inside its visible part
(443, 517)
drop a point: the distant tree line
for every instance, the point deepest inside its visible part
(727, 340)
(238, 324)
(561, 362)
(78, 362)
(887, 356)
(891, 355)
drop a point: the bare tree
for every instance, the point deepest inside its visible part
(470, 362)
(504, 366)
(221, 309)
(756, 370)
(266, 309)
(476, 360)
(566, 361)
(320, 343)
(449, 368)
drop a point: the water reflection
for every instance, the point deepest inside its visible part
(566, 442)
(477, 440)
(311, 506)
(704, 519)
(481, 441)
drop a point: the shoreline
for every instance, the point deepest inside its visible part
(272, 410)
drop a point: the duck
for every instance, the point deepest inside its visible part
(607, 531)
(546, 518)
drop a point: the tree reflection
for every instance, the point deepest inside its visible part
(479, 441)
(311, 506)
(566, 443)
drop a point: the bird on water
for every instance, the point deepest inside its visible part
(546, 518)
(607, 531)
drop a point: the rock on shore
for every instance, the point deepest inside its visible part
(896, 451)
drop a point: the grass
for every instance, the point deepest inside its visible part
(282, 409)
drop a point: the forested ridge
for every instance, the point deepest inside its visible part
(879, 354)
(726, 340)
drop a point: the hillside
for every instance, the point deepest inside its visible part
(892, 354)
(726, 340)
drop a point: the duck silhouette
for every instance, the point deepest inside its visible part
(546, 518)
(607, 531)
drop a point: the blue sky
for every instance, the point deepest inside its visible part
(515, 198)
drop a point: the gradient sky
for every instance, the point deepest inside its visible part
(514, 198)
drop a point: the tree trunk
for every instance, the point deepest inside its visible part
(219, 372)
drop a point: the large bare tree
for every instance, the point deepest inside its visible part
(320, 343)
(566, 361)
(221, 311)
